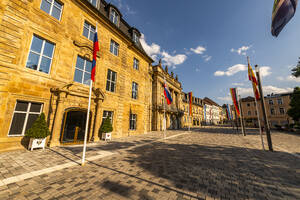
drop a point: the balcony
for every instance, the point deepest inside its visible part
(170, 108)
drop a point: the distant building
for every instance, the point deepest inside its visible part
(277, 106)
(196, 119)
(212, 112)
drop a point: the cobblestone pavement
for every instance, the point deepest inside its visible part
(207, 163)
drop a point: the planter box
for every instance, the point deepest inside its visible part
(106, 136)
(36, 143)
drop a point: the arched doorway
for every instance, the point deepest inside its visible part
(73, 126)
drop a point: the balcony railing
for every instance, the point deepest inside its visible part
(170, 108)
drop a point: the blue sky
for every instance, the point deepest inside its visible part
(206, 43)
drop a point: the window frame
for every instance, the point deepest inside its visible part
(271, 100)
(51, 8)
(110, 81)
(96, 6)
(116, 17)
(90, 31)
(114, 46)
(134, 90)
(135, 37)
(111, 117)
(281, 108)
(82, 70)
(41, 54)
(274, 113)
(279, 100)
(133, 117)
(136, 64)
(27, 113)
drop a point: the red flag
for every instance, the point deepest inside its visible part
(234, 100)
(190, 102)
(95, 50)
(252, 78)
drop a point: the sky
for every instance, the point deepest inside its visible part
(207, 43)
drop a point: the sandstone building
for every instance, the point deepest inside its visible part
(173, 111)
(45, 65)
(277, 106)
(196, 119)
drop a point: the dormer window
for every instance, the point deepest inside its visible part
(114, 17)
(135, 37)
(93, 2)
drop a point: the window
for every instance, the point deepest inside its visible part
(114, 17)
(135, 37)
(279, 101)
(134, 90)
(52, 7)
(249, 112)
(88, 31)
(248, 104)
(93, 2)
(24, 116)
(281, 110)
(109, 114)
(114, 48)
(111, 81)
(136, 63)
(271, 102)
(83, 71)
(132, 122)
(272, 110)
(40, 55)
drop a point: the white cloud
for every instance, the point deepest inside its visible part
(207, 58)
(242, 50)
(227, 99)
(154, 51)
(266, 89)
(231, 70)
(173, 60)
(198, 50)
(238, 84)
(289, 79)
(265, 71)
(123, 7)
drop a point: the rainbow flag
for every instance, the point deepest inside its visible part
(283, 12)
(235, 100)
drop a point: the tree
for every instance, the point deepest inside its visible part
(39, 128)
(106, 126)
(296, 70)
(294, 111)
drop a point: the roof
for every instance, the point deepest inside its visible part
(123, 27)
(210, 102)
(248, 99)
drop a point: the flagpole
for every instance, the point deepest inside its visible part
(241, 118)
(257, 111)
(165, 120)
(268, 132)
(87, 124)
(189, 112)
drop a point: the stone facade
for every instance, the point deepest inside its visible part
(56, 91)
(196, 120)
(277, 106)
(173, 111)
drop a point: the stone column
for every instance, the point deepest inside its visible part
(97, 120)
(58, 120)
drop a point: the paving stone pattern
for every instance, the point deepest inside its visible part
(208, 163)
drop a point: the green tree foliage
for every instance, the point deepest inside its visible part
(296, 70)
(39, 128)
(294, 111)
(106, 126)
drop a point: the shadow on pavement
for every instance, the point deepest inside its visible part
(222, 172)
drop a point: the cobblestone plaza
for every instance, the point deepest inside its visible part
(207, 163)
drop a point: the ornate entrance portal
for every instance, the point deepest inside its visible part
(73, 126)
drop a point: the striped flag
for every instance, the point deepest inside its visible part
(283, 11)
(191, 102)
(95, 50)
(253, 79)
(167, 94)
(234, 100)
